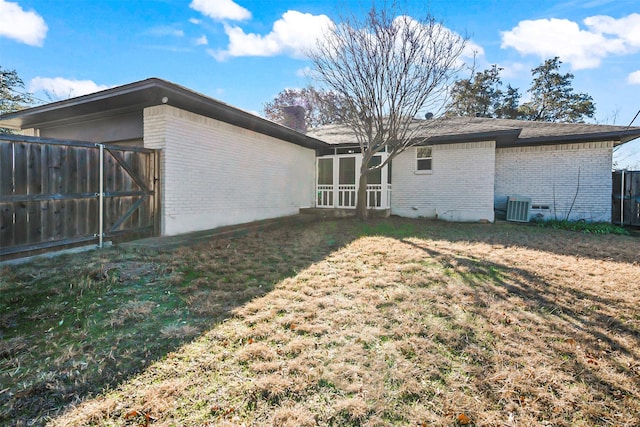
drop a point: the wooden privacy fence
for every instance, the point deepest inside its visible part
(626, 198)
(58, 193)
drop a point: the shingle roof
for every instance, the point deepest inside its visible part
(531, 129)
(506, 132)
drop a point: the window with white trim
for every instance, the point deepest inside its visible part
(424, 158)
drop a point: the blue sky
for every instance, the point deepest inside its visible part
(243, 52)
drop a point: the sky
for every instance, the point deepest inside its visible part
(244, 52)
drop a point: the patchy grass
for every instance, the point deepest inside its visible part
(392, 322)
(584, 227)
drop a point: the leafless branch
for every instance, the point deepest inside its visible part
(390, 68)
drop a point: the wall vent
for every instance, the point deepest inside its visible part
(518, 208)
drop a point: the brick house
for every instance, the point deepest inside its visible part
(222, 166)
(219, 165)
(466, 169)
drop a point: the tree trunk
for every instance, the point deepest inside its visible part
(361, 202)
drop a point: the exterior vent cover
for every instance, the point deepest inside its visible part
(518, 208)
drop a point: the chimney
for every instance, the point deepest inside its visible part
(293, 117)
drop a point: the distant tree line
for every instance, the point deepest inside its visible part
(13, 95)
(552, 99)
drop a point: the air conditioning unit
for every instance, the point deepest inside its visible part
(518, 208)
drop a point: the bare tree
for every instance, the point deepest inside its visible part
(321, 107)
(389, 67)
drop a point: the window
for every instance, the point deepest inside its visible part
(325, 171)
(376, 176)
(347, 171)
(424, 158)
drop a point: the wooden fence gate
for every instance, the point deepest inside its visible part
(626, 198)
(61, 193)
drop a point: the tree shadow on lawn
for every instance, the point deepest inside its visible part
(590, 335)
(560, 242)
(75, 326)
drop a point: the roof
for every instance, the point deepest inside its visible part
(146, 93)
(506, 132)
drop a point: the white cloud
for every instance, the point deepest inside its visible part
(634, 78)
(61, 88)
(25, 27)
(219, 10)
(304, 72)
(512, 70)
(581, 48)
(202, 41)
(292, 34)
(441, 35)
(472, 49)
(195, 21)
(472, 53)
(627, 29)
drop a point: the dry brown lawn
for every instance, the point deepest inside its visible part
(403, 322)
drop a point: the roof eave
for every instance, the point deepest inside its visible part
(151, 92)
(21, 115)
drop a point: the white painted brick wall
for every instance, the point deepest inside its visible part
(549, 175)
(216, 174)
(459, 188)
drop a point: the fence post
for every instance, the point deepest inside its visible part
(622, 199)
(101, 198)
